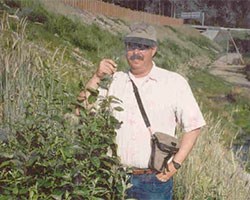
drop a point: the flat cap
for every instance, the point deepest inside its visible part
(141, 33)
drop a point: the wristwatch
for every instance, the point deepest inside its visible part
(176, 165)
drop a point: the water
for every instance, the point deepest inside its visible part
(242, 151)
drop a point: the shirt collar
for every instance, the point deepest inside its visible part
(151, 76)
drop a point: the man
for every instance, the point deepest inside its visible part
(168, 101)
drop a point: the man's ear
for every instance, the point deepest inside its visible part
(154, 50)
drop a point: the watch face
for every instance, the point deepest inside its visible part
(176, 165)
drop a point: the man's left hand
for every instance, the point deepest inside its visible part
(164, 177)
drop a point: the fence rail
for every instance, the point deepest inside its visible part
(111, 10)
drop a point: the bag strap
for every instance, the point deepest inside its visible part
(139, 101)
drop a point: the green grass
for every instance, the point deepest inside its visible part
(89, 44)
(54, 31)
(240, 34)
(93, 41)
(210, 85)
(223, 99)
(246, 58)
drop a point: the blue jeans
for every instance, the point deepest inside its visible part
(148, 187)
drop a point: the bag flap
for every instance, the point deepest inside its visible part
(167, 140)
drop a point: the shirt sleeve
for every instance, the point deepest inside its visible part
(188, 113)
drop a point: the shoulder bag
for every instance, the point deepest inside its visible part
(163, 146)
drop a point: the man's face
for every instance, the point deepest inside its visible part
(139, 56)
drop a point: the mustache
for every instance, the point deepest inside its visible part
(136, 57)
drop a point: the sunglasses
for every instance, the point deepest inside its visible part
(134, 46)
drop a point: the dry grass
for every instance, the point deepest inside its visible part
(212, 172)
(16, 73)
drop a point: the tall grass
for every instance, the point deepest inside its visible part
(25, 74)
(17, 74)
(211, 171)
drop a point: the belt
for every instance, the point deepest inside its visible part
(138, 171)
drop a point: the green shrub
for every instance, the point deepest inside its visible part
(45, 151)
(46, 157)
(61, 26)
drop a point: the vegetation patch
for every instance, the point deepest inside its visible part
(224, 100)
(46, 152)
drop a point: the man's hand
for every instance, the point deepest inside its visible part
(106, 67)
(164, 177)
(187, 142)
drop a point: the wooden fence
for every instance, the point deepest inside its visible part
(111, 10)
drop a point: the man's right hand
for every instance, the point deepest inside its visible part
(106, 67)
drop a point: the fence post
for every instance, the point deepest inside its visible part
(203, 18)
